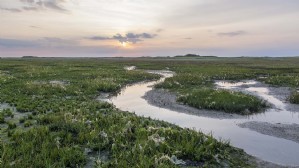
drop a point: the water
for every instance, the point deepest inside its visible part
(268, 148)
(17, 115)
(130, 68)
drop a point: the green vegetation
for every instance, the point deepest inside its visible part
(294, 98)
(11, 125)
(231, 102)
(2, 119)
(194, 75)
(63, 125)
(27, 123)
(292, 80)
(126, 139)
(22, 120)
(6, 113)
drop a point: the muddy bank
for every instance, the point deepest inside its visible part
(283, 94)
(162, 98)
(286, 131)
(264, 164)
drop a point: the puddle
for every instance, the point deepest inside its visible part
(264, 94)
(17, 115)
(5, 106)
(253, 88)
(228, 85)
(103, 97)
(60, 83)
(130, 68)
(268, 148)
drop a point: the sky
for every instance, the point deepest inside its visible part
(102, 28)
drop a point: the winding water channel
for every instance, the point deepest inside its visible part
(268, 148)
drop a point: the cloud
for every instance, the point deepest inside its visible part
(233, 33)
(159, 30)
(14, 43)
(142, 35)
(38, 5)
(128, 38)
(43, 4)
(11, 9)
(224, 12)
(54, 5)
(30, 8)
(99, 38)
(51, 46)
(35, 27)
(53, 41)
(43, 42)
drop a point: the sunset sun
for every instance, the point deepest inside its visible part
(124, 44)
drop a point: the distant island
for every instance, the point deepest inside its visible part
(192, 56)
(29, 56)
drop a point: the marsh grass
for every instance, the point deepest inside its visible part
(66, 120)
(294, 98)
(193, 75)
(2, 119)
(7, 113)
(223, 100)
(60, 138)
(11, 125)
(280, 80)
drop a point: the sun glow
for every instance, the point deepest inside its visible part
(124, 44)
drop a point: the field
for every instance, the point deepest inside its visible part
(51, 116)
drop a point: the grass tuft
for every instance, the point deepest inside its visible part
(223, 100)
(294, 98)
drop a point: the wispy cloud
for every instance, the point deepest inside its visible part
(38, 5)
(34, 27)
(53, 41)
(99, 38)
(11, 9)
(233, 33)
(51, 46)
(15, 43)
(43, 42)
(27, 8)
(129, 37)
(43, 4)
(159, 30)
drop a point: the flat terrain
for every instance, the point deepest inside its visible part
(51, 117)
(285, 131)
